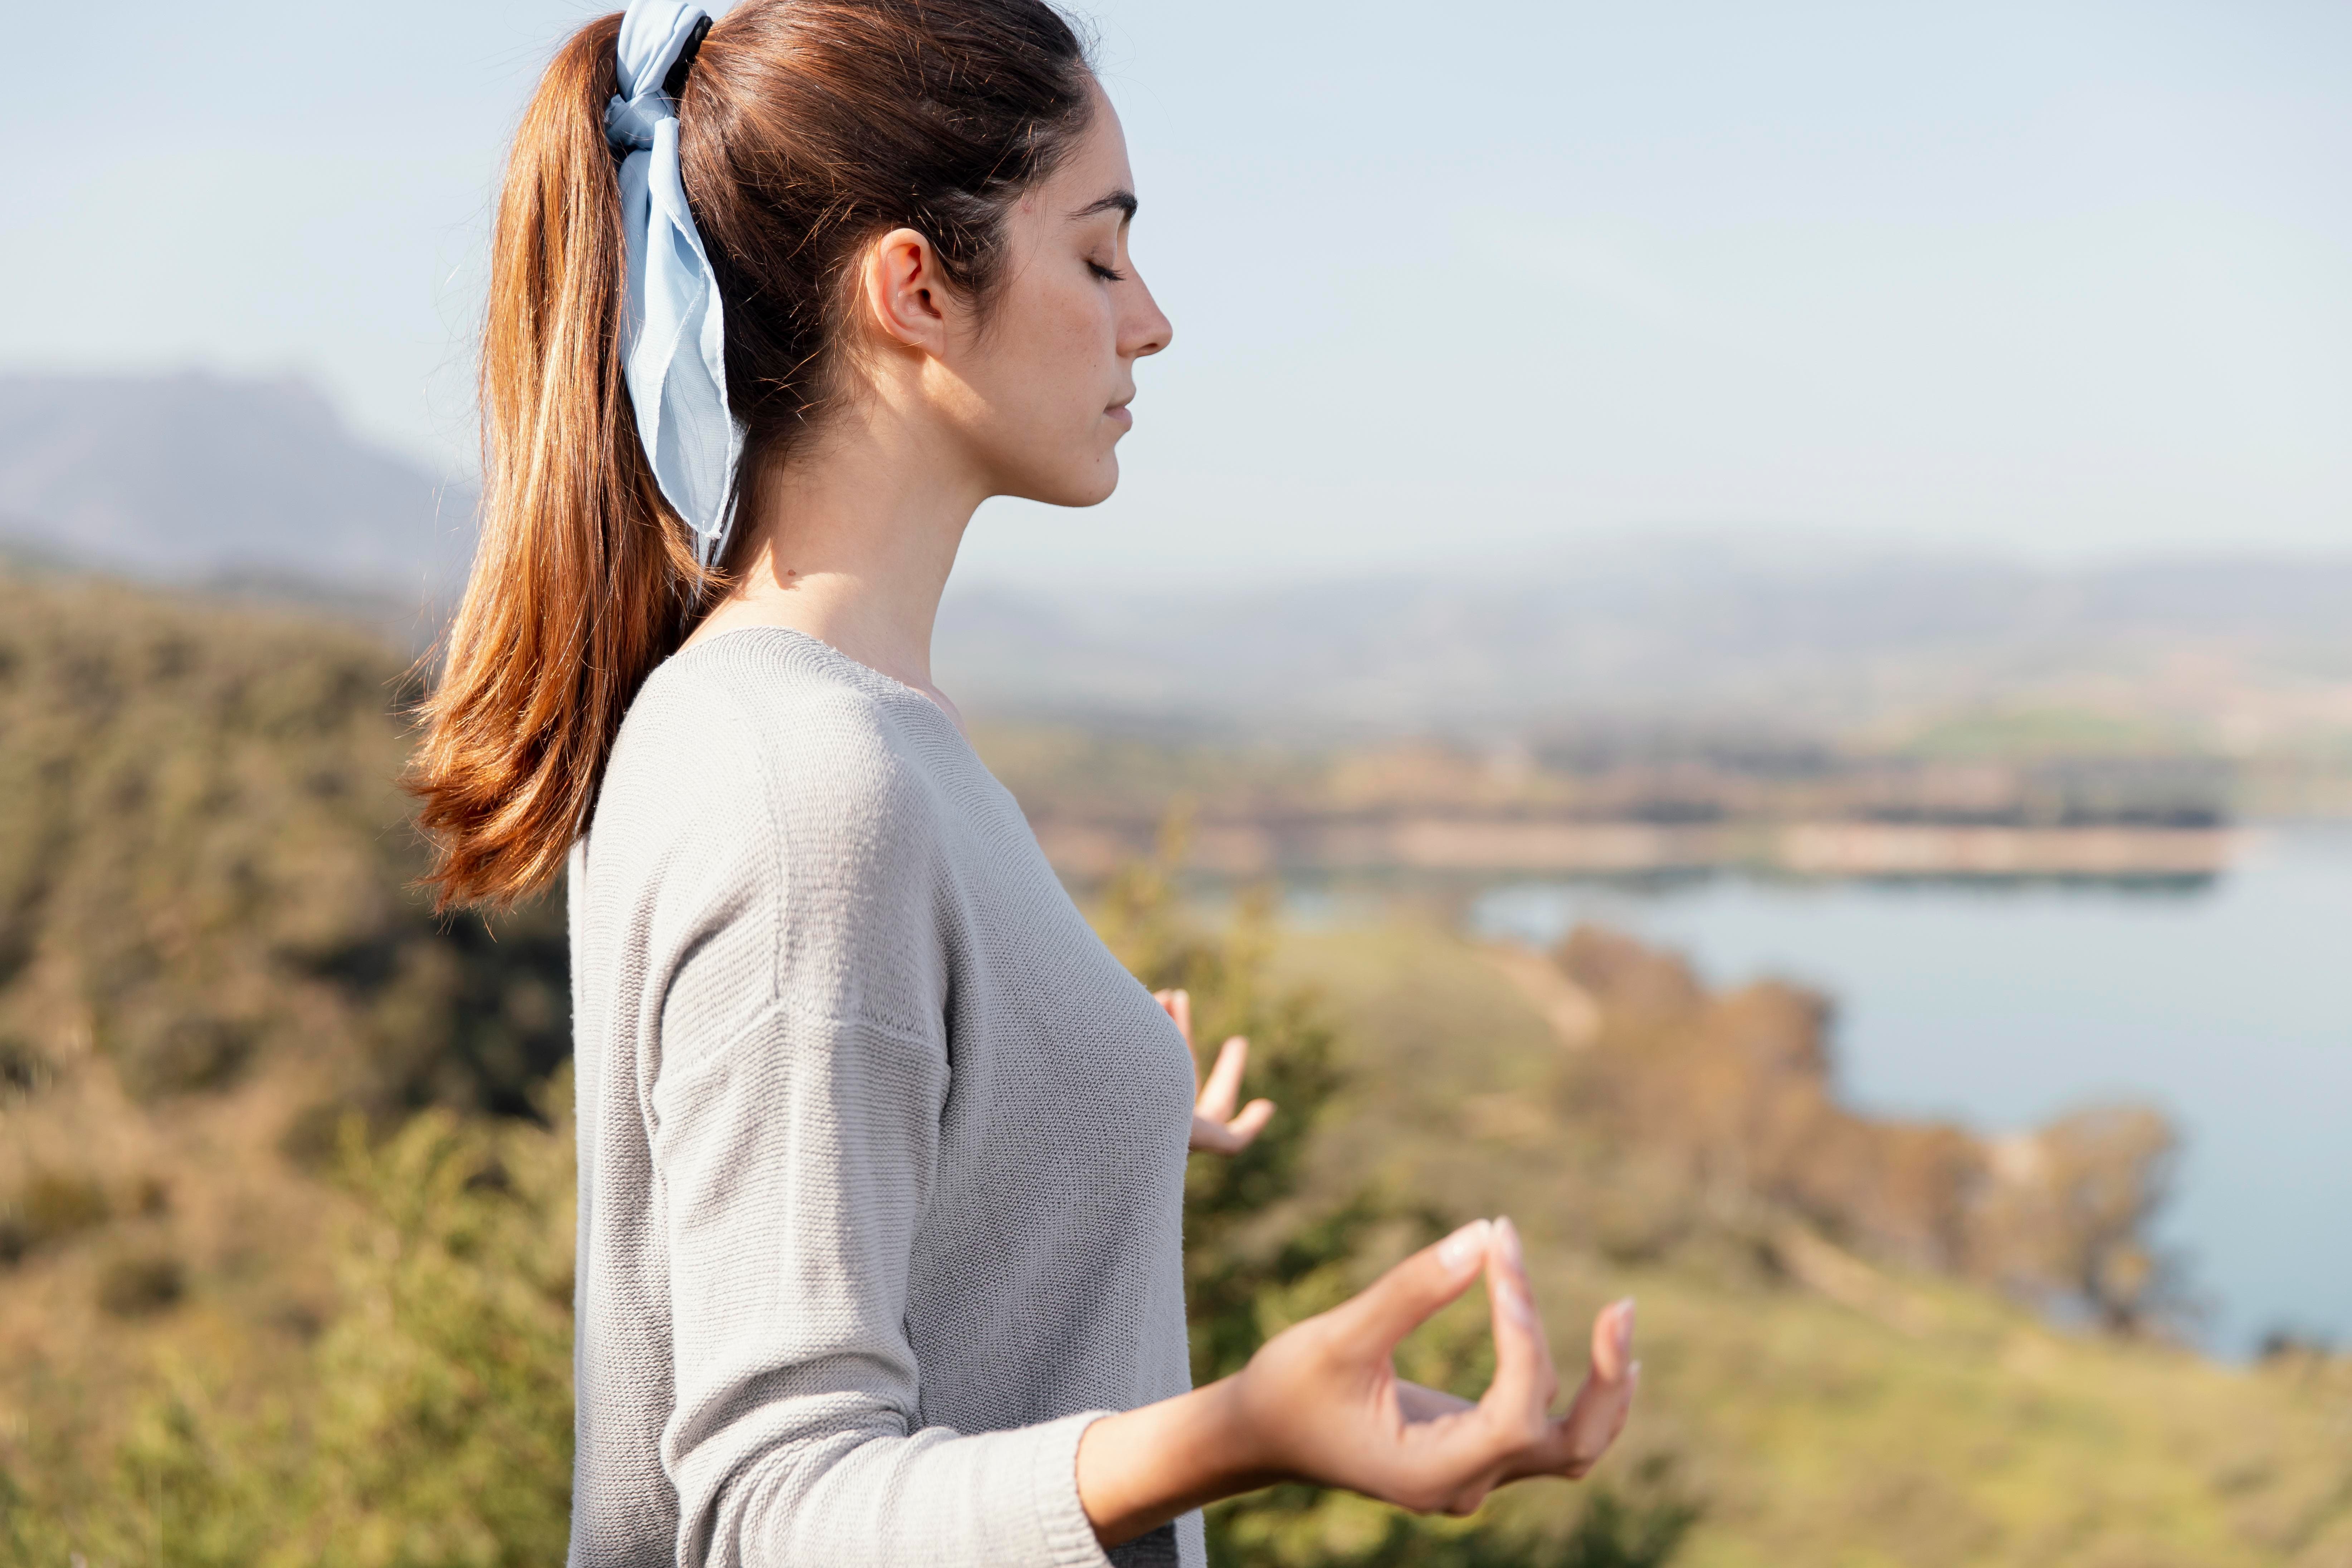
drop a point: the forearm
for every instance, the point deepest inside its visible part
(1141, 1468)
(866, 1497)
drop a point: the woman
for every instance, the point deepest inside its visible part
(881, 1154)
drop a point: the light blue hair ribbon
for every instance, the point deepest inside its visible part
(673, 335)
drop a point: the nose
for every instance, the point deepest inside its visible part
(1144, 329)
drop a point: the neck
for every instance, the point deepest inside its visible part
(852, 543)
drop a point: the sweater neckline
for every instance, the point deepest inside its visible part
(857, 669)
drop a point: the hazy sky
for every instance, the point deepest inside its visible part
(1447, 281)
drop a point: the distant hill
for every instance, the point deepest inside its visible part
(259, 486)
(1733, 632)
(226, 481)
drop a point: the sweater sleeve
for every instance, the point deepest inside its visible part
(794, 1148)
(793, 1166)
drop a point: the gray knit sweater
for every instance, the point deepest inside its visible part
(881, 1151)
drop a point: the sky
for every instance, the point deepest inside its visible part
(1450, 285)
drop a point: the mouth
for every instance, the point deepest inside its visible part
(1117, 414)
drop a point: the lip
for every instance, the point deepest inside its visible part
(1117, 414)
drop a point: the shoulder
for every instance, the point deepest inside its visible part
(769, 824)
(769, 730)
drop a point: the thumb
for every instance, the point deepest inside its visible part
(1371, 1322)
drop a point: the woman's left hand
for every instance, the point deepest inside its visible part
(1215, 1124)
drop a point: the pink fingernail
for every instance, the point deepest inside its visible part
(1459, 1250)
(1622, 1334)
(1511, 1248)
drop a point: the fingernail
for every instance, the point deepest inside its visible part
(1517, 1296)
(1462, 1248)
(1621, 1334)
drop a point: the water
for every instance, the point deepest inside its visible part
(2229, 1006)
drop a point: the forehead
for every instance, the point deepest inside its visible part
(1096, 164)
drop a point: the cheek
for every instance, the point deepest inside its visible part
(1063, 347)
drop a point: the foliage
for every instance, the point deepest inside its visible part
(205, 863)
(2071, 1219)
(1245, 1278)
(1875, 1411)
(48, 1207)
(1263, 1250)
(1728, 1098)
(446, 1421)
(362, 1356)
(438, 1433)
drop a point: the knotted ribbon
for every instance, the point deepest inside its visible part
(673, 333)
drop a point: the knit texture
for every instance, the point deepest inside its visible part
(881, 1151)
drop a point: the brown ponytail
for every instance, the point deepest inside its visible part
(807, 128)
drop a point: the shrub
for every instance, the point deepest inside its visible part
(136, 1286)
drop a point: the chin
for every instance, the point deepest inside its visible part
(1091, 487)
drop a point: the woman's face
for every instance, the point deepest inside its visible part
(1045, 377)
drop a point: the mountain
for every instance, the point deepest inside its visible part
(1746, 632)
(259, 484)
(206, 480)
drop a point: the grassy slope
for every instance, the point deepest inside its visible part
(208, 955)
(1925, 1425)
(197, 827)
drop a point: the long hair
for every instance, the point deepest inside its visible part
(807, 129)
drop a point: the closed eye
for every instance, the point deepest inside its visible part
(1108, 274)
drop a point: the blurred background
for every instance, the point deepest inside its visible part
(1728, 626)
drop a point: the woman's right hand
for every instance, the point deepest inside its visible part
(1321, 1403)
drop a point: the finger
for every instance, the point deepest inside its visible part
(1371, 1322)
(1519, 1398)
(1625, 1406)
(1214, 1135)
(1251, 1122)
(1582, 1436)
(1230, 1136)
(1224, 1085)
(1612, 1340)
(1604, 1401)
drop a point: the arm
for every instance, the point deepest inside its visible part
(793, 1161)
(1321, 1403)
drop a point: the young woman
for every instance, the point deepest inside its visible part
(881, 1154)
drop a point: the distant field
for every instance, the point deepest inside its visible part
(1096, 800)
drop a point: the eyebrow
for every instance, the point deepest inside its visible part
(1120, 201)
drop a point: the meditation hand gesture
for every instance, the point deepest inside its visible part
(1321, 1403)
(1214, 1124)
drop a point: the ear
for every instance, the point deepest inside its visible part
(907, 296)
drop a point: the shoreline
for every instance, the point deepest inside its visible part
(1085, 850)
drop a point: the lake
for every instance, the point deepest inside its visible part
(2228, 1005)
